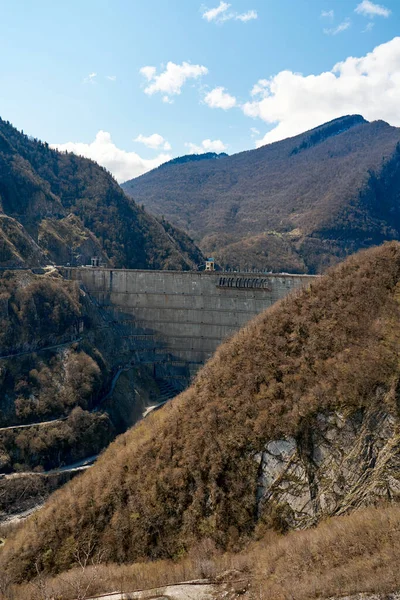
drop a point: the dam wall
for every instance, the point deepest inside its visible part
(182, 316)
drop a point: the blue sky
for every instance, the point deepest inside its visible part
(182, 76)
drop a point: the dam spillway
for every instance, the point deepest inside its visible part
(180, 317)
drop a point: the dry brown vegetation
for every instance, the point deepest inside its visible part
(336, 187)
(39, 312)
(188, 472)
(344, 555)
(33, 308)
(43, 448)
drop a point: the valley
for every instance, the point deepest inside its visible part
(200, 300)
(331, 410)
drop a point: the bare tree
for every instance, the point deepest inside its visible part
(41, 586)
(87, 571)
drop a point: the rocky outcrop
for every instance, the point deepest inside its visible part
(340, 462)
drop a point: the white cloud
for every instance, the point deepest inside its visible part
(206, 146)
(218, 98)
(369, 85)
(213, 14)
(170, 81)
(111, 77)
(221, 13)
(254, 132)
(91, 78)
(259, 87)
(148, 72)
(123, 165)
(248, 16)
(369, 9)
(327, 14)
(341, 27)
(369, 27)
(154, 141)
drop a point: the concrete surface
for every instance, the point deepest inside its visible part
(182, 315)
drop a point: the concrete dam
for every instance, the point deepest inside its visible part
(176, 319)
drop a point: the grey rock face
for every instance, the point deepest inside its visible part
(340, 462)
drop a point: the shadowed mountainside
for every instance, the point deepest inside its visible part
(294, 419)
(61, 208)
(298, 205)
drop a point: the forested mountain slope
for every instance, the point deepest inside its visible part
(298, 205)
(58, 207)
(294, 419)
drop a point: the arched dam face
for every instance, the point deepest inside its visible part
(176, 319)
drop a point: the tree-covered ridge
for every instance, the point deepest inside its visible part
(312, 199)
(40, 186)
(180, 160)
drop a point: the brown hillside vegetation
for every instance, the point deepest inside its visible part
(358, 553)
(326, 354)
(327, 193)
(48, 370)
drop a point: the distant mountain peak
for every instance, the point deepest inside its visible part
(323, 132)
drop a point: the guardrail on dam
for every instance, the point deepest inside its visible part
(182, 315)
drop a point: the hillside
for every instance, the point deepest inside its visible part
(298, 205)
(68, 384)
(293, 420)
(60, 208)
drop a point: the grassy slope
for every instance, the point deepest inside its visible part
(330, 184)
(189, 471)
(342, 556)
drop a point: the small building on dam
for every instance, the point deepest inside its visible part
(176, 319)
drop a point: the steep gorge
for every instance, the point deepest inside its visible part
(62, 368)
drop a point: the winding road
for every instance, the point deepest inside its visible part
(43, 423)
(80, 465)
(84, 463)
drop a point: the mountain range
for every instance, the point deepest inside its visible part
(298, 205)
